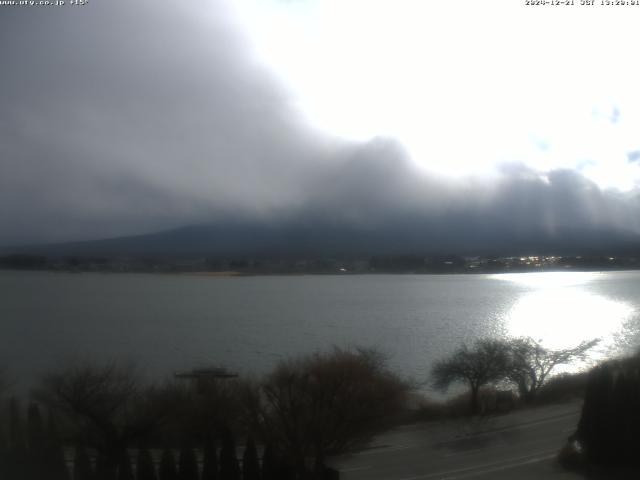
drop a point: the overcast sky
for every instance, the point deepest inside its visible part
(123, 117)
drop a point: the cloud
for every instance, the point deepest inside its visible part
(380, 190)
(123, 118)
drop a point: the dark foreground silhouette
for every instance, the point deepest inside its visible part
(101, 422)
(606, 443)
(105, 424)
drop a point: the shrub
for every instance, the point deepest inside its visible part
(609, 426)
(562, 388)
(328, 403)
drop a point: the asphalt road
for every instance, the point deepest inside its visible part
(522, 445)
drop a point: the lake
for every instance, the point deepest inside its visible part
(167, 323)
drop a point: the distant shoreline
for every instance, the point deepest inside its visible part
(235, 273)
(228, 273)
(391, 264)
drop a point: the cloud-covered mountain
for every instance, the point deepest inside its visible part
(145, 119)
(377, 202)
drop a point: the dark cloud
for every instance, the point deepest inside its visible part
(128, 117)
(518, 209)
(122, 117)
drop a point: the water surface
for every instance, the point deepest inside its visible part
(171, 322)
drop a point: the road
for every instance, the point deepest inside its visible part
(520, 445)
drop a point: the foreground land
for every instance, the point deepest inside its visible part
(522, 445)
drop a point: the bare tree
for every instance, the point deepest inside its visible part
(104, 403)
(200, 412)
(328, 403)
(530, 364)
(476, 366)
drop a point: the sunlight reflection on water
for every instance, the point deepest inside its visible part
(561, 310)
(173, 322)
